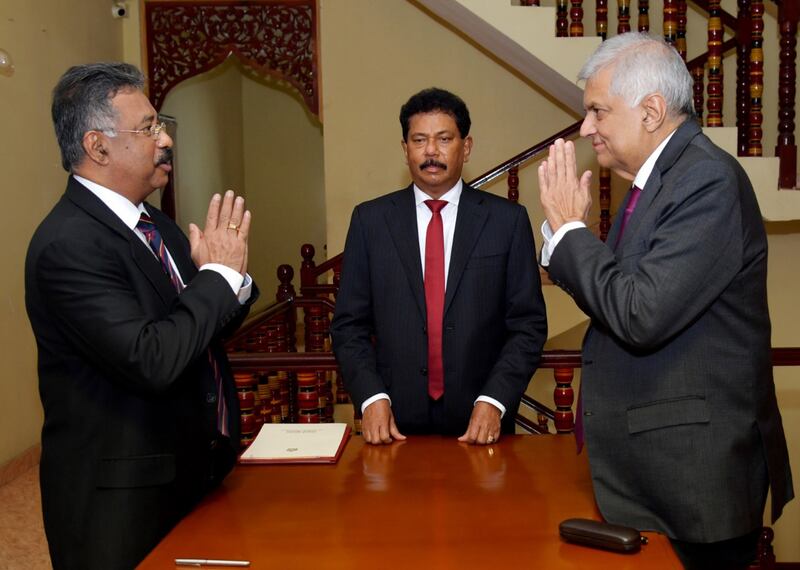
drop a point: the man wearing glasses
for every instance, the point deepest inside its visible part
(140, 411)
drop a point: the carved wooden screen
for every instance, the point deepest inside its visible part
(272, 38)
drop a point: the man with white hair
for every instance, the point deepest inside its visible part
(679, 414)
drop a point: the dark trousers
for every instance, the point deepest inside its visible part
(733, 554)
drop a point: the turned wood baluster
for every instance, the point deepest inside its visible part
(786, 149)
(576, 19)
(604, 174)
(715, 30)
(601, 18)
(286, 291)
(764, 553)
(670, 21)
(623, 16)
(308, 265)
(680, 42)
(643, 24)
(756, 78)
(564, 397)
(742, 75)
(513, 184)
(698, 74)
(562, 24)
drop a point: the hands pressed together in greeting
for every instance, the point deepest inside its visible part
(224, 238)
(564, 197)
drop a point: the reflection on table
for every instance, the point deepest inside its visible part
(428, 502)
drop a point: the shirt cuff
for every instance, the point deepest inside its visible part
(493, 402)
(551, 239)
(375, 398)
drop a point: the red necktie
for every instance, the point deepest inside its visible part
(150, 231)
(434, 297)
(635, 193)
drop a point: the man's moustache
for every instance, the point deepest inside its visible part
(435, 163)
(166, 157)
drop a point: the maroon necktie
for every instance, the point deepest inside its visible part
(434, 297)
(635, 193)
(150, 231)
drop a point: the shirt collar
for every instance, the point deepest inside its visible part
(452, 196)
(123, 208)
(650, 164)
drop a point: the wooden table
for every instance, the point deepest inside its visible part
(427, 503)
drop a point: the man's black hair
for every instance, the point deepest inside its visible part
(432, 100)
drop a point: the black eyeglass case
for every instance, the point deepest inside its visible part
(603, 535)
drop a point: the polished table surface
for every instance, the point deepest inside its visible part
(428, 502)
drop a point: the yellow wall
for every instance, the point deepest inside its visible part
(208, 147)
(43, 38)
(284, 180)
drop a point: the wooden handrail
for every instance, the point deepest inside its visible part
(525, 155)
(258, 318)
(701, 59)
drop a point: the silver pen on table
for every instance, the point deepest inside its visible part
(210, 562)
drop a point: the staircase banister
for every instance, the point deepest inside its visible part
(525, 155)
(258, 318)
(728, 19)
(537, 406)
(309, 301)
(701, 59)
(289, 361)
(323, 267)
(786, 356)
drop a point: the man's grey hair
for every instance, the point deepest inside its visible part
(82, 102)
(642, 65)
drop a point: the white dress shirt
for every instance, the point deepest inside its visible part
(129, 214)
(449, 214)
(551, 239)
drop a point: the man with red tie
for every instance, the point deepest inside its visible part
(680, 417)
(440, 320)
(140, 410)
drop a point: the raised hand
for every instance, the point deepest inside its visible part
(224, 238)
(564, 197)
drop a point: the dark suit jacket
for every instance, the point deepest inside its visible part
(125, 381)
(494, 314)
(681, 421)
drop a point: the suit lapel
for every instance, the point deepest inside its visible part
(469, 223)
(402, 223)
(141, 254)
(671, 153)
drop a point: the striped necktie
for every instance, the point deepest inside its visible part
(153, 236)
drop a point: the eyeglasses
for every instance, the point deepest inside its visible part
(153, 131)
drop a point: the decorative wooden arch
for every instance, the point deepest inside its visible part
(273, 38)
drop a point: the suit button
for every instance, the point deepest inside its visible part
(424, 330)
(450, 327)
(423, 371)
(588, 414)
(211, 398)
